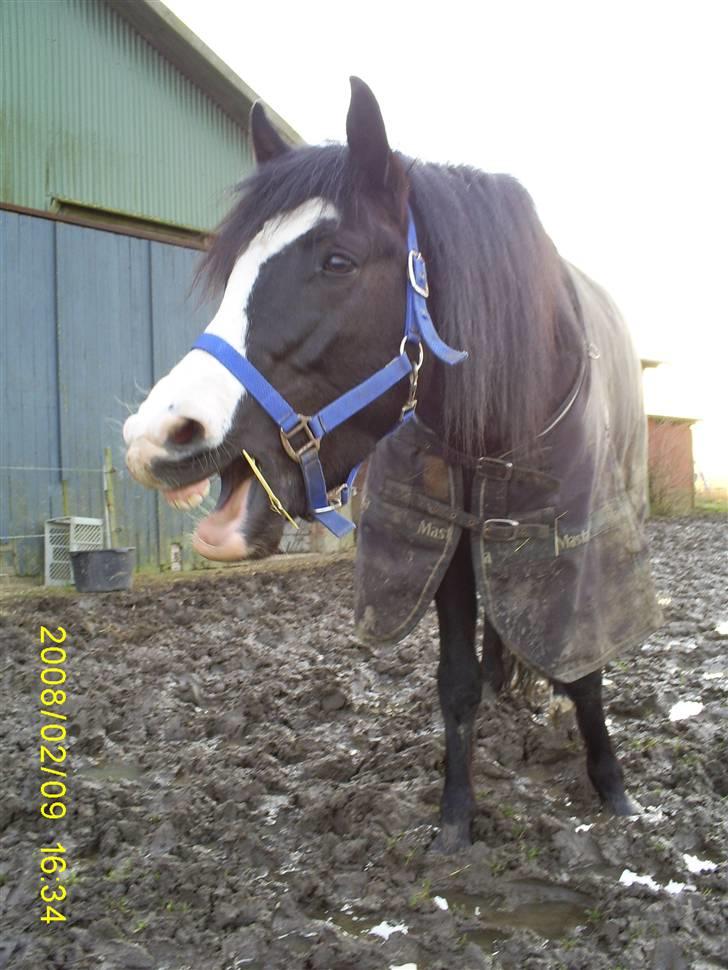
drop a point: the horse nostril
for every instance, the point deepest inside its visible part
(185, 433)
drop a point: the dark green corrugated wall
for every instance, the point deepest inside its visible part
(90, 112)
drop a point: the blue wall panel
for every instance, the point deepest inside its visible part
(104, 327)
(89, 320)
(29, 432)
(184, 315)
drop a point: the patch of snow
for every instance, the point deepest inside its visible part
(698, 865)
(440, 902)
(676, 887)
(684, 709)
(722, 628)
(271, 805)
(583, 828)
(629, 878)
(385, 929)
(403, 966)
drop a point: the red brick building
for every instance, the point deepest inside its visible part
(670, 461)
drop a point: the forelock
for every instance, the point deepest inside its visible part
(275, 189)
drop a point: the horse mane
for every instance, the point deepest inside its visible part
(497, 292)
(496, 280)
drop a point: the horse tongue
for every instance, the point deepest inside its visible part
(187, 497)
(219, 536)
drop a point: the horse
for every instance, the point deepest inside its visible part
(504, 424)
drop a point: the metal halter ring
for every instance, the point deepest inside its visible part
(411, 402)
(415, 365)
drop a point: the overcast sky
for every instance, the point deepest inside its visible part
(612, 114)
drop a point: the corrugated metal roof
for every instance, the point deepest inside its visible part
(175, 41)
(92, 114)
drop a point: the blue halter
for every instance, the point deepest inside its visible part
(308, 431)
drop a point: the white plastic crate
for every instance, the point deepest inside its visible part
(64, 536)
(296, 540)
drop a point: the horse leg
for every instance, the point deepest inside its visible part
(494, 668)
(459, 681)
(602, 766)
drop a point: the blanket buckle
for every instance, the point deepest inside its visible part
(500, 530)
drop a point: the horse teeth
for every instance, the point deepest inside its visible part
(186, 504)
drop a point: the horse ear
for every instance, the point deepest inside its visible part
(366, 134)
(267, 143)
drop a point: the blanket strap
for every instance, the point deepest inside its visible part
(495, 529)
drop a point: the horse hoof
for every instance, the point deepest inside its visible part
(451, 839)
(623, 805)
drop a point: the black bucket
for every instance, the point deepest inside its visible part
(103, 570)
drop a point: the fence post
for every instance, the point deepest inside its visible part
(110, 497)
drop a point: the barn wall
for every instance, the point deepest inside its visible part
(89, 320)
(91, 113)
(671, 472)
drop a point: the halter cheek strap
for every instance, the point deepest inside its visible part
(301, 435)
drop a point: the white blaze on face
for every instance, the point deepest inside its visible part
(199, 388)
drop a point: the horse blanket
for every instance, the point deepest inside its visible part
(558, 549)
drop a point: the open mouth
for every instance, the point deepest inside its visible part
(242, 510)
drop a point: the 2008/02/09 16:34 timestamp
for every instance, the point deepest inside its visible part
(52, 755)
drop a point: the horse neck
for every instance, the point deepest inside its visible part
(569, 344)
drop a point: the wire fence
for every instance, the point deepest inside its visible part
(51, 468)
(65, 471)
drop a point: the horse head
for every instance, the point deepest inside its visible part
(313, 259)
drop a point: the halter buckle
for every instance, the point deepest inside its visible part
(312, 443)
(415, 261)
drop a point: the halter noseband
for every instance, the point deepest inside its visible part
(308, 431)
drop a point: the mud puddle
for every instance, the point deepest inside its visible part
(111, 771)
(249, 787)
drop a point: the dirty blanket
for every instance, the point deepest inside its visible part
(557, 544)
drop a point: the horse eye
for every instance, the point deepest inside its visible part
(339, 264)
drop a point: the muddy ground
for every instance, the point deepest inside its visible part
(250, 788)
